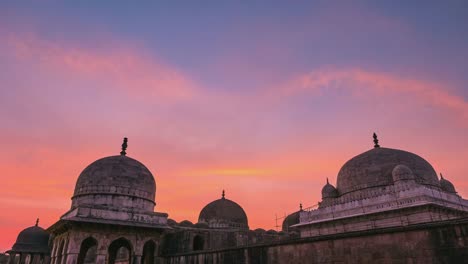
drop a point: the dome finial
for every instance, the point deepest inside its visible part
(124, 147)
(442, 177)
(376, 141)
(300, 207)
(327, 180)
(37, 221)
(222, 195)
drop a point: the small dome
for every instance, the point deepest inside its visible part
(186, 223)
(171, 222)
(374, 168)
(290, 220)
(33, 239)
(329, 191)
(260, 230)
(116, 181)
(223, 213)
(271, 232)
(446, 185)
(402, 172)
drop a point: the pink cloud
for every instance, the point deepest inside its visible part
(374, 84)
(132, 70)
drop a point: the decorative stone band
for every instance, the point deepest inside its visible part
(393, 198)
(374, 192)
(107, 214)
(120, 190)
(222, 223)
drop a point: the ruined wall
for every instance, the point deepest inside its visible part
(443, 242)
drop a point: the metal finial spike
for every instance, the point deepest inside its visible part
(327, 180)
(442, 177)
(223, 194)
(124, 147)
(376, 141)
(300, 207)
(37, 221)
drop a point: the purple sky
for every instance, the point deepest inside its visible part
(263, 99)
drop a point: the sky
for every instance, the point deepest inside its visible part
(265, 99)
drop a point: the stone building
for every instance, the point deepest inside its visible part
(382, 188)
(221, 224)
(382, 197)
(31, 246)
(112, 218)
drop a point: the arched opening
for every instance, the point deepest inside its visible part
(120, 252)
(148, 252)
(198, 242)
(60, 252)
(88, 251)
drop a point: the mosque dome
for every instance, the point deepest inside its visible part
(116, 181)
(402, 172)
(290, 220)
(329, 191)
(375, 167)
(223, 213)
(33, 239)
(446, 185)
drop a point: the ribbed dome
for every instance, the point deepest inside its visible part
(446, 185)
(117, 181)
(223, 213)
(374, 168)
(33, 239)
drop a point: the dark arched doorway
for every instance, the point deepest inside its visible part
(120, 252)
(148, 252)
(88, 251)
(198, 242)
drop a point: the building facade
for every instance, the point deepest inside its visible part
(381, 192)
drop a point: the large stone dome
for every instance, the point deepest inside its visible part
(33, 239)
(116, 181)
(374, 168)
(223, 213)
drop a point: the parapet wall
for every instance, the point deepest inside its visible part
(439, 242)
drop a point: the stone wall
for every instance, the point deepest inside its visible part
(68, 241)
(181, 240)
(439, 242)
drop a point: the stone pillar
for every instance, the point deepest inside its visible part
(22, 259)
(72, 258)
(36, 259)
(136, 259)
(100, 259)
(46, 259)
(52, 253)
(65, 252)
(12, 258)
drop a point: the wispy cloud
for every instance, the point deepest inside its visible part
(132, 70)
(374, 84)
